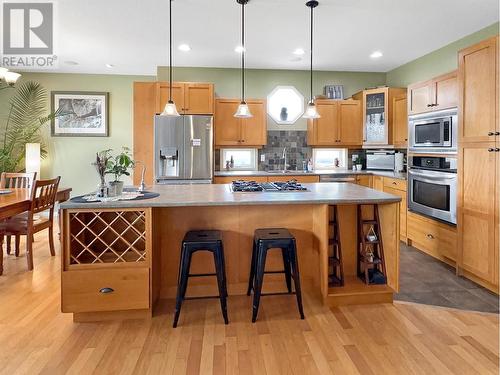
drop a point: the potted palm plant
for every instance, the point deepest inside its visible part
(119, 166)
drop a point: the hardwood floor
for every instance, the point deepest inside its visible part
(35, 337)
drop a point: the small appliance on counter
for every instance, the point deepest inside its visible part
(432, 187)
(380, 160)
(183, 149)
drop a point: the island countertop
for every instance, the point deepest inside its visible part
(221, 195)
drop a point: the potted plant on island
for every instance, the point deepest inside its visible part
(119, 166)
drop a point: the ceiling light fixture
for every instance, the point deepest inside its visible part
(184, 48)
(311, 111)
(299, 51)
(376, 55)
(170, 109)
(10, 78)
(70, 62)
(239, 49)
(243, 111)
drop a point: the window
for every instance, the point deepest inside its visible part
(285, 105)
(245, 159)
(325, 158)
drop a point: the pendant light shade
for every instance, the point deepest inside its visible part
(243, 111)
(311, 110)
(170, 109)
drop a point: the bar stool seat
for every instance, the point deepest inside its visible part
(201, 240)
(274, 238)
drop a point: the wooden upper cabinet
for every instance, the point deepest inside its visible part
(198, 98)
(232, 131)
(254, 129)
(445, 89)
(164, 94)
(339, 125)
(227, 127)
(435, 94)
(190, 98)
(349, 122)
(478, 94)
(420, 96)
(400, 121)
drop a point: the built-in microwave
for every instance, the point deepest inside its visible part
(434, 132)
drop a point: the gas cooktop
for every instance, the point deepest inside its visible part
(253, 186)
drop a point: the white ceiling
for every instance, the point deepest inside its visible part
(133, 34)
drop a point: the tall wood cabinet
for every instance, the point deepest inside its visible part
(400, 121)
(435, 94)
(149, 99)
(377, 114)
(479, 163)
(339, 125)
(232, 131)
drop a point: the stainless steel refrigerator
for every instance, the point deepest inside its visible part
(183, 149)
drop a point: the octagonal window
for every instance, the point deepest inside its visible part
(285, 105)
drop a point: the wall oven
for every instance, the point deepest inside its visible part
(432, 187)
(434, 132)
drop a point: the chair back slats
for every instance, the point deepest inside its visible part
(44, 195)
(17, 180)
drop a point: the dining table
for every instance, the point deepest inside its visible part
(18, 200)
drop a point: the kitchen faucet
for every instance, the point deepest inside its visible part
(284, 157)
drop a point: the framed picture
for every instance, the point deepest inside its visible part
(82, 114)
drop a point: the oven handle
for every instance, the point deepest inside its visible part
(433, 175)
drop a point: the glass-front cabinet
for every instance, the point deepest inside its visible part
(377, 114)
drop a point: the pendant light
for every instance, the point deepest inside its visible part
(311, 110)
(243, 111)
(170, 109)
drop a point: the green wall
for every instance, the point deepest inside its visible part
(71, 157)
(438, 62)
(260, 82)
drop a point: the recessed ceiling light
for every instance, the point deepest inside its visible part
(299, 51)
(296, 59)
(184, 48)
(376, 55)
(71, 62)
(240, 49)
(110, 66)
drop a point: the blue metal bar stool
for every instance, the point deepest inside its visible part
(201, 240)
(274, 238)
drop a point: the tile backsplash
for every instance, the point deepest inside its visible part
(297, 149)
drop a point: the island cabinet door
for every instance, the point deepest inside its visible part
(324, 130)
(106, 259)
(350, 123)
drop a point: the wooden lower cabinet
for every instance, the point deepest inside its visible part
(364, 180)
(378, 183)
(300, 179)
(432, 237)
(402, 211)
(105, 289)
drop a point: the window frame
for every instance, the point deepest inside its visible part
(254, 157)
(343, 158)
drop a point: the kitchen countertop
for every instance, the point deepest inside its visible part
(221, 195)
(339, 172)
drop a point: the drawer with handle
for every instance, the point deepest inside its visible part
(395, 183)
(105, 289)
(431, 236)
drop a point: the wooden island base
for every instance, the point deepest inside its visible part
(134, 252)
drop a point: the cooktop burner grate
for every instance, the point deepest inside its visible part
(253, 186)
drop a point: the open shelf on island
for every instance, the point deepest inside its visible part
(356, 291)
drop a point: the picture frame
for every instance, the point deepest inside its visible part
(83, 114)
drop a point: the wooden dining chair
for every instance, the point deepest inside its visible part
(10, 180)
(43, 198)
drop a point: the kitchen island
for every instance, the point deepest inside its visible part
(121, 258)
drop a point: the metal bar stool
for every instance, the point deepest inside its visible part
(274, 238)
(201, 240)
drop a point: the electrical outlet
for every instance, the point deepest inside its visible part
(263, 157)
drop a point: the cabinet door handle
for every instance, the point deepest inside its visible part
(430, 236)
(491, 134)
(429, 105)
(394, 183)
(497, 133)
(497, 149)
(491, 150)
(106, 290)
